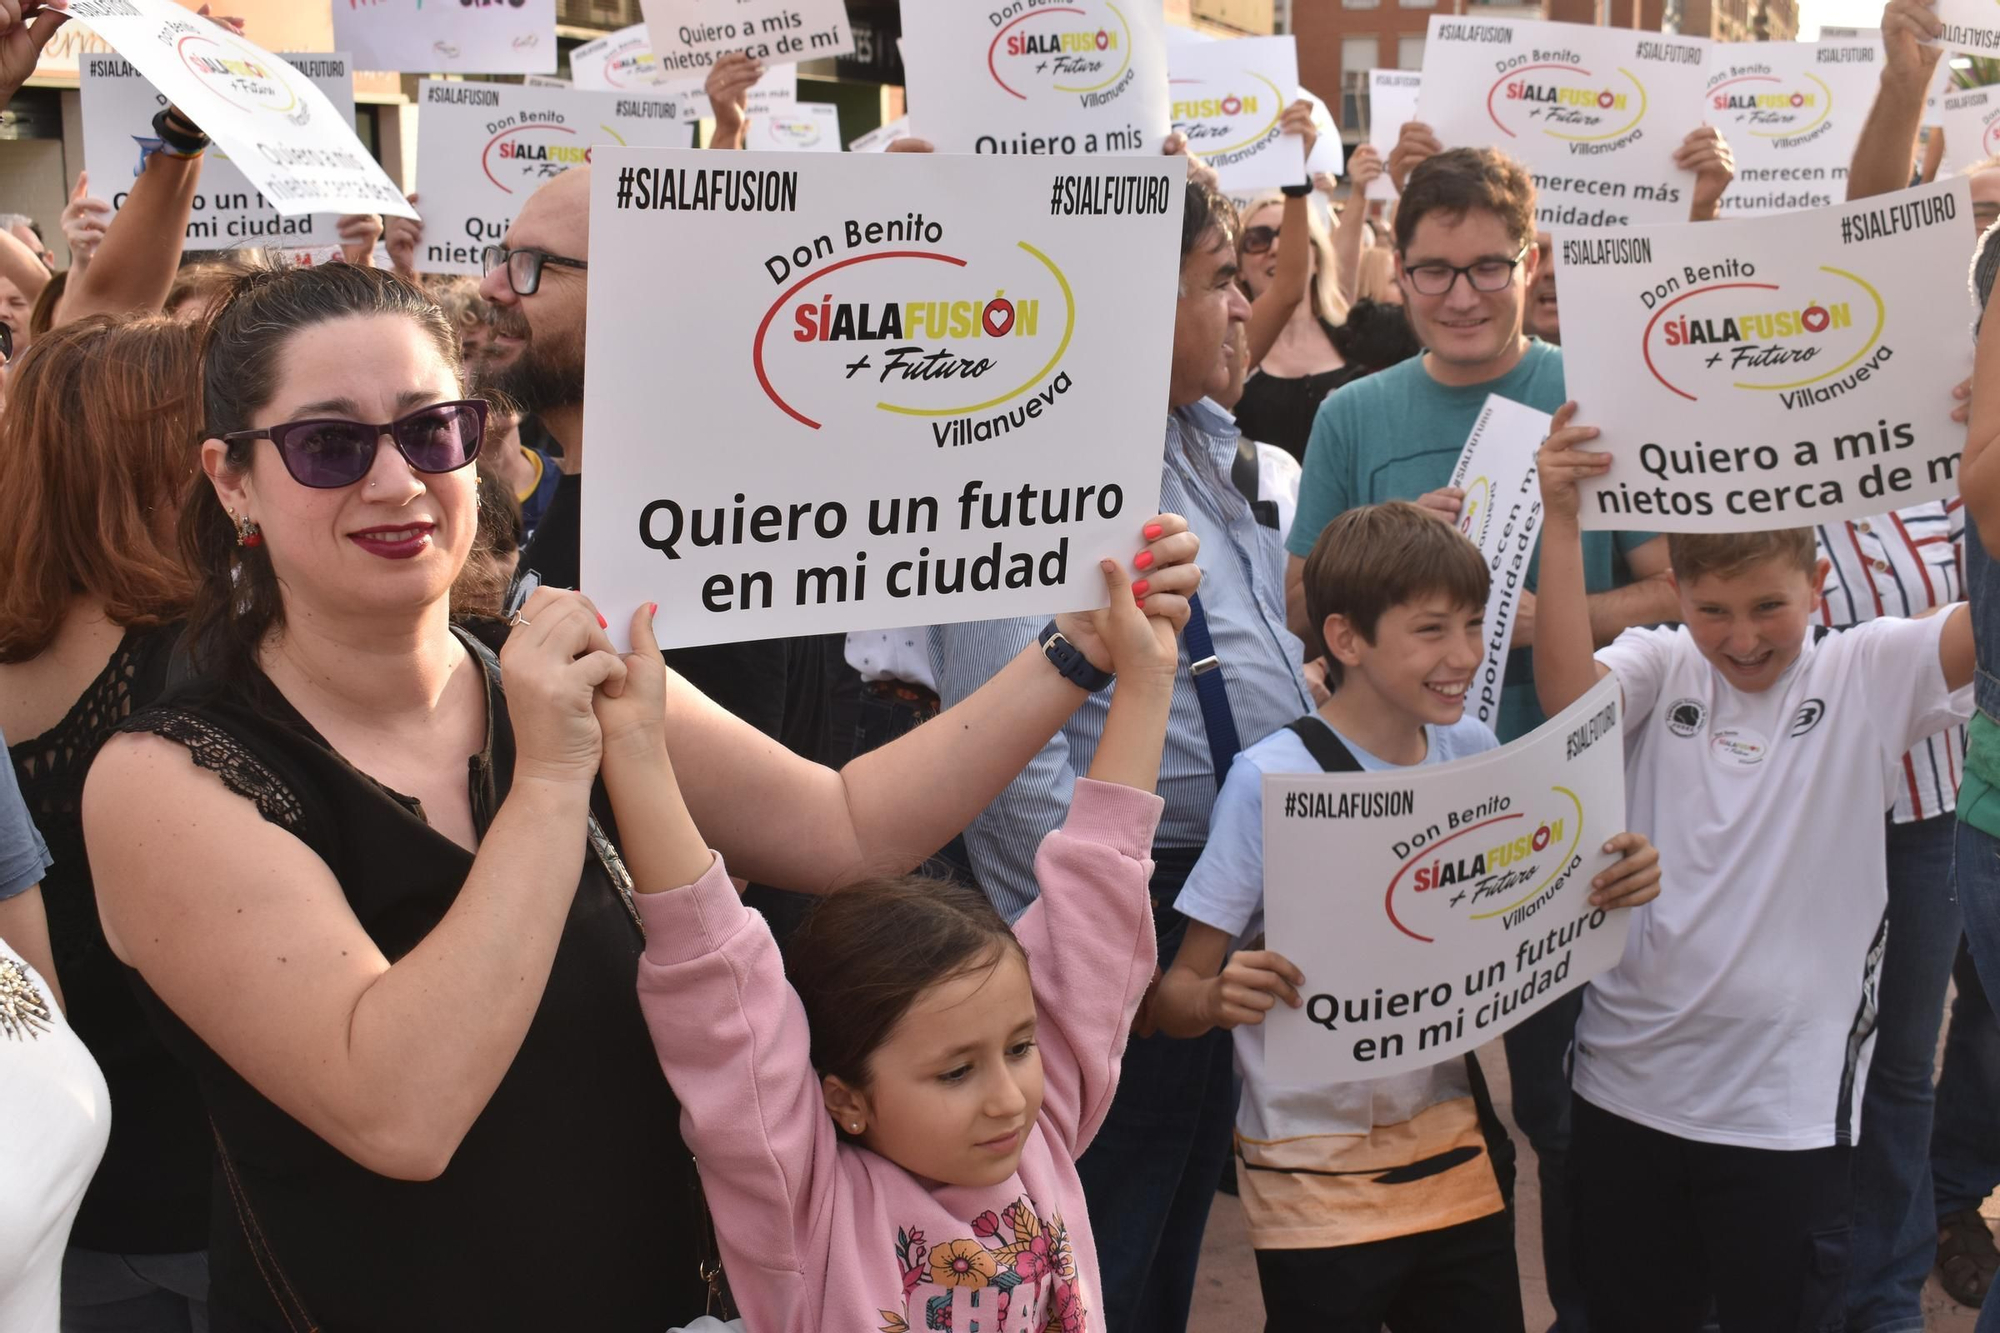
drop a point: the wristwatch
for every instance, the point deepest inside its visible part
(178, 136)
(1068, 659)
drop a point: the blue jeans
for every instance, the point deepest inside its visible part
(134, 1293)
(1151, 1173)
(1965, 1136)
(1538, 1072)
(1976, 868)
(1895, 1220)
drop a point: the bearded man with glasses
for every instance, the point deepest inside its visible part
(1466, 262)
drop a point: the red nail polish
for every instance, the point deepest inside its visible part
(1144, 560)
(602, 623)
(652, 609)
(1139, 588)
(1153, 531)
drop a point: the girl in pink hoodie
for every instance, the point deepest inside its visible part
(888, 1140)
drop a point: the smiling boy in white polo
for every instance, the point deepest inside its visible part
(1719, 1066)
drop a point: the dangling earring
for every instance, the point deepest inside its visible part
(247, 531)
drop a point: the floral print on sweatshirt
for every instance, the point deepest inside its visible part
(1014, 1274)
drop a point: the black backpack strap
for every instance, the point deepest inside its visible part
(1243, 475)
(1332, 754)
(1327, 749)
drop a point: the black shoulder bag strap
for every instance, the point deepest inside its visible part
(1332, 755)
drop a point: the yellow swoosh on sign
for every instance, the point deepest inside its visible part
(1069, 327)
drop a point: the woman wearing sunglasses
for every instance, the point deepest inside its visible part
(1300, 281)
(382, 913)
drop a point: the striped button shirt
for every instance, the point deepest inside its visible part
(1901, 564)
(1243, 595)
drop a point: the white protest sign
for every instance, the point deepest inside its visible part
(1228, 99)
(1970, 25)
(1792, 113)
(808, 127)
(779, 87)
(1502, 516)
(278, 128)
(483, 148)
(1004, 76)
(1329, 155)
(930, 372)
(1772, 372)
(615, 63)
(1433, 908)
(878, 139)
(689, 35)
(1970, 119)
(1392, 104)
(118, 106)
(1595, 114)
(447, 37)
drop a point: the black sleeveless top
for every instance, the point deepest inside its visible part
(571, 1203)
(1277, 409)
(150, 1193)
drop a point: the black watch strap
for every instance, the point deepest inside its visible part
(1296, 191)
(182, 137)
(1068, 659)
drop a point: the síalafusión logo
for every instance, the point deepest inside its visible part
(788, 130)
(1567, 101)
(1477, 510)
(241, 76)
(1504, 858)
(958, 335)
(520, 158)
(1084, 47)
(1220, 116)
(1768, 107)
(1765, 337)
(631, 64)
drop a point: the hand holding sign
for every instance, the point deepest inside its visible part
(1633, 880)
(1706, 153)
(1910, 33)
(1170, 577)
(1414, 142)
(1561, 464)
(21, 42)
(728, 89)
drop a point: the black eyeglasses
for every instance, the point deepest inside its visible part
(329, 453)
(1256, 240)
(524, 267)
(1488, 275)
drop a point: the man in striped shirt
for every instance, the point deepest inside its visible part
(1903, 563)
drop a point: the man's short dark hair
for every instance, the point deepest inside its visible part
(1459, 180)
(1207, 209)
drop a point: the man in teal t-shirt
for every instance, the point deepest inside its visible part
(1465, 239)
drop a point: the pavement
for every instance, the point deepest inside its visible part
(1226, 1298)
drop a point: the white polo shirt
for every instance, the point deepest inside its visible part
(1743, 1009)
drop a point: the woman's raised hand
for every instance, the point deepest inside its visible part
(1164, 575)
(554, 663)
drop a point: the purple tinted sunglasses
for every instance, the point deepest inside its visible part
(328, 453)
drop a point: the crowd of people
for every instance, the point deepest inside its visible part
(382, 949)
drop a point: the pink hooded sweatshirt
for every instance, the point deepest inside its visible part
(823, 1236)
